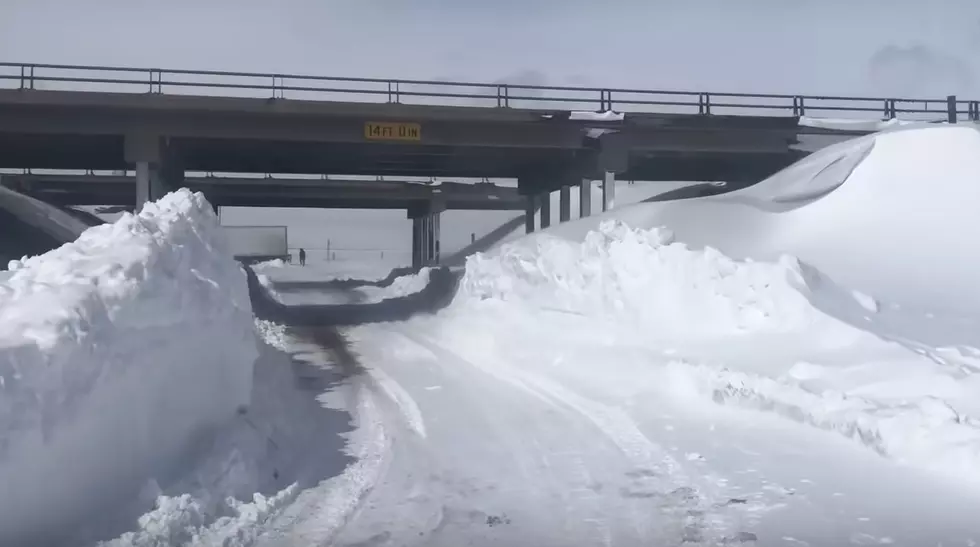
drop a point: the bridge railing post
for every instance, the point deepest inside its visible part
(891, 111)
(27, 76)
(394, 91)
(704, 103)
(503, 95)
(951, 113)
(799, 109)
(156, 80)
(278, 87)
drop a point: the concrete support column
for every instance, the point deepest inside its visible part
(159, 169)
(545, 199)
(427, 245)
(585, 198)
(608, 191)
(564, 204)
(418, 243)
(142, 184)
(425, 240)
(436, 237)
(529, 210)
(417, 238)
(425, 232)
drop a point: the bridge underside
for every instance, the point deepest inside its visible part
(66, 190)
(107, 152)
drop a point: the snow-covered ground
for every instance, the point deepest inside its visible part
(794, 363)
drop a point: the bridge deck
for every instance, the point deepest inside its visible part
(63, 117)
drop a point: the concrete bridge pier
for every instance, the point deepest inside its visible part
(158, 167)
(530, 208)
(564, 204)
(608, 191)
(612, 158)
(545, 199)
(538, 186)
(585, 198)
(426, 227)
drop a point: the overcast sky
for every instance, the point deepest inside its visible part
(880, 47)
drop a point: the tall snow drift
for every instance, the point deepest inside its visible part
(887, 214)
(116, 352)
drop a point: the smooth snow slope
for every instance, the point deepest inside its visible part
(895, 229)
(116, 350)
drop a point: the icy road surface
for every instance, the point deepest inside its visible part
(486, 449)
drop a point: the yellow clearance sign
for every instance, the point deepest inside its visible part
(390, 131)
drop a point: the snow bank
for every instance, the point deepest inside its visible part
(268, 264)
(644, 279)
(401, 286)
(116, 352)
(290, 446)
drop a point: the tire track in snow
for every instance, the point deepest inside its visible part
(318, 514)
(436, 493)
(409, 408)
(694, 504)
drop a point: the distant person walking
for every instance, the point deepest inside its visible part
(302, 257)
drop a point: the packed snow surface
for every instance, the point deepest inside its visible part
(713, 312)
(109, 366)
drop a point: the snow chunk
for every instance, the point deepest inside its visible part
(865, 301)
(116, 350)
(605, 116)
(850, 124)
(921, 430)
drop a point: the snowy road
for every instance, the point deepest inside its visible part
(480, 460)
(486, 452)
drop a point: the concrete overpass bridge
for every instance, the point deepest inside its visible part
(162, 123)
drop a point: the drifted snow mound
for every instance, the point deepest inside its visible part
(116, 351)
(886, 214)
(645, 279)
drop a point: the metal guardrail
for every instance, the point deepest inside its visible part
(26, 76)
